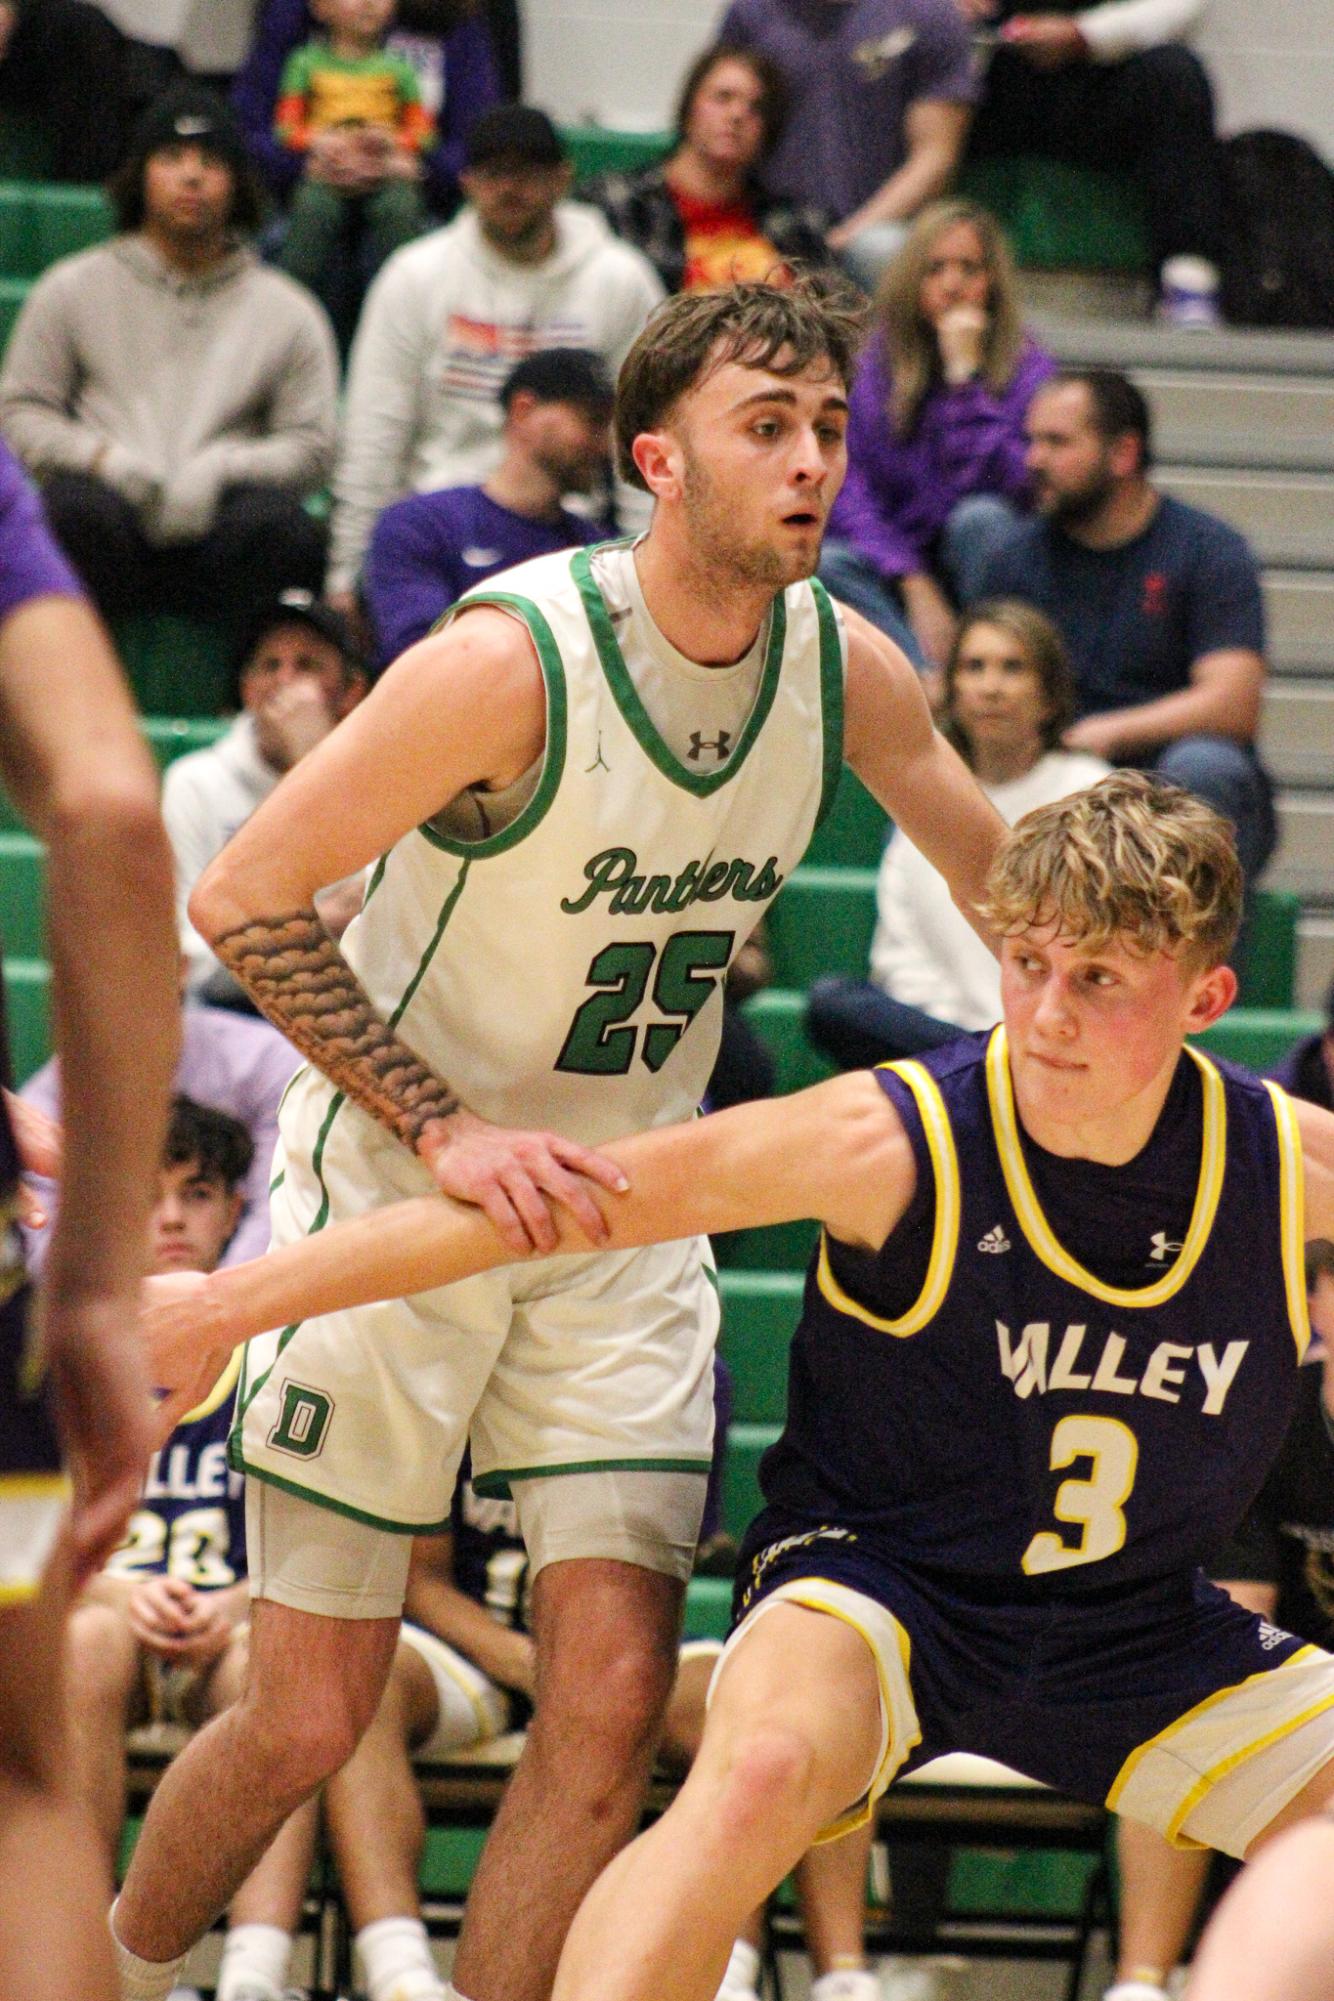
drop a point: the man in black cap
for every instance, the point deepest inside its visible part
(519, 269)
(175, 396)
(429, 549)
(301, 673)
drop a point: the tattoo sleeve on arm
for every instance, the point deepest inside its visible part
(298, 978)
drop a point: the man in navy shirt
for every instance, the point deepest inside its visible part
(429, 549)
(1158, 603)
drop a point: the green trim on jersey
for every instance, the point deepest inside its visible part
(446, 912)
(631, 706)
(376, 879)
(496, 1486)
(339, 1507)
(553, 761)
(831, 696)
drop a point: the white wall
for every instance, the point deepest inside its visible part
(620, 61)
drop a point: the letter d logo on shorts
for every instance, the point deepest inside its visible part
(302, 1422)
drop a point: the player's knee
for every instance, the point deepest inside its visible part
(100, 1656)
(614, 1702)
(303, 1738)
(768, 1776)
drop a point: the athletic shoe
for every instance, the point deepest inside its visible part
(938, 1977)
(1135, 1990)
(1188, 293)
(847, 1986)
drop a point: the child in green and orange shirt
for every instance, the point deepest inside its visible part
(354, 109)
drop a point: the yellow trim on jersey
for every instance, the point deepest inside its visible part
(1037, 1230)
(1292, 1214)
(1183, 1722)
(220, 1391)
(1207, 1780)
(34, 1486)
(945, 1235)
(18, 1594)
(862, 1810)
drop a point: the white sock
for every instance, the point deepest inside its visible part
(396, 1954)
(454, 1993)
(743, 1972)
(143, 1979)
(1135, 1990)
(255, 1959)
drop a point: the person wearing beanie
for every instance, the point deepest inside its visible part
(172, 395)
(429, 549)
(520, 268)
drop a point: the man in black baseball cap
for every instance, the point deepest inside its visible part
(514, 132)
(515, 172)
(189, 117)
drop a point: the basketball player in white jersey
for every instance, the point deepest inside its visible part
(582, 793)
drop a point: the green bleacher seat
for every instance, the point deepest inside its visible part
(1259, 1036)
(1059, 216)
(170, 737)
(708, 1608)
(746, 1445)
(22, 864)
(852, 834)
(821, 922)
(177, 666)
(760, 1311)
(776, 1016)
(1269, 976)
(25, 146)
(597, 149)
(27, 1011)
(13, 292)
(39, 224)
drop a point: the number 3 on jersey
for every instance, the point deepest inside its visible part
(1093, 1505)
(600, 1043)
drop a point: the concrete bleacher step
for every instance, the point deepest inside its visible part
(1315, 959)
(1135, 345)
(1299, 606)
(1203, 419)
(1288, 518)
(1305, 859)
(1297, 732)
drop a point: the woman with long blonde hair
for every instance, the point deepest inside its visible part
(936, 448)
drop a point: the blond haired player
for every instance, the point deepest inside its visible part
(1051, 1347)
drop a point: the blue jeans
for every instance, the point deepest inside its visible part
(858, 1025)
(979, 525)
(849, 577)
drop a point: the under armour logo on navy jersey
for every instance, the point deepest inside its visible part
(994, 1241)
(721, 743)
(1162, 1248)
(482, 559)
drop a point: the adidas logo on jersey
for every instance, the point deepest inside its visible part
(994, 1241)
(1162, 1248)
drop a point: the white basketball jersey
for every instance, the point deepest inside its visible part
(567, 970)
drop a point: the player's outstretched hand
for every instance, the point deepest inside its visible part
(515, 1177)
(185, 1342)
(102, 1409)
(40, 1143)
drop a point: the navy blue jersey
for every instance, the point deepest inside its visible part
(190, 1521)
(29, 1445)
(490, 1562)
(1023, 1419)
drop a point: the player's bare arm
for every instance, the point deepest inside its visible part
(464, 710)
(905, 763)
(837, 1152)
(504, 1653)
(1317, 1130)
(90, 792)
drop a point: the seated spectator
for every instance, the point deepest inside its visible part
(175, 397)
(936, 448)
(1113, 86)
(1280, 1563)
(1308, 1069)
(60, 58)
(344, 221)
(879, 101)
(1008, 701)
(701, 217)
(463, 1675)
(160, 1632)
(429, 549)
(229, 1062)
(1158, 603)
(449, 48)
(301, 673)
(199, 38)
(448, 317)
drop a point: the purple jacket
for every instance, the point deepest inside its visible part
(900, 492)
(472, 86)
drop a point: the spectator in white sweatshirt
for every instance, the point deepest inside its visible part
(1009, 696)
(173, 396)
(520, 268)
(1114, 86)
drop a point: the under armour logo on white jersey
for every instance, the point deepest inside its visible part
(1162, 1248)
(721, 743)
(994, 1241)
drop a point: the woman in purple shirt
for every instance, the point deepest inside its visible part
(936, 448)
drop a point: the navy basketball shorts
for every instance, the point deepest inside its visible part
(34, 1490)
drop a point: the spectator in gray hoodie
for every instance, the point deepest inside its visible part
(174, 396)
(450, 316)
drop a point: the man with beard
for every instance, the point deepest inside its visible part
(429, 549)
(583, 792)
(1159, 604)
